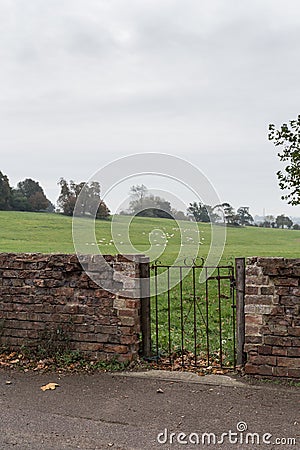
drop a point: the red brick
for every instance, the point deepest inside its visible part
(253, 319)
(128, 321)
(280, 351)
(109, 329)
(251, 290)
(294, 373)
(252, 329)
(267, 290)
(258, 299)
(252, 270)
(263, 360)
(294, 331)
(127, 312)
(134, 304)
(280, 290)
(265, 349)
(253, 339)
(289, 300)
(254, 348)
(128, 339)
(251, 369)
(115, 348)
(278, 341)
(294, 352)
(78, 318)
(16, 333)
(260, 280)
(288, 362)
(265, 370)
(10, 274)
(280, 371)
(126, 330)
(285, 281)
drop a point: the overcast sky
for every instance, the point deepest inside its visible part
(85, 82)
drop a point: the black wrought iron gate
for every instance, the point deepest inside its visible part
(193, 317)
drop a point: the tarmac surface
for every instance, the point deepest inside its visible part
(140, 411)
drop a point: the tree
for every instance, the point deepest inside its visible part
(67, 199)
(145, 205)
(178, 215)
(31, 196)
(283, 221)
(199, 211)
(229, 213)
(102, 212)
(138, 192)
(18, 201)
(152, 206)
(91, 201)
(243, 216)
(288, 138)
(5, 193)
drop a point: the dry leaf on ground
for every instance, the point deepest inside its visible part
(49, 386)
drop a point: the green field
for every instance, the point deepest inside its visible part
(51, 233)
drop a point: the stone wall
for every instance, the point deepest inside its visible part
(45, 297)
(272, 317)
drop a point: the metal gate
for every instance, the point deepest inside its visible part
(193, 315)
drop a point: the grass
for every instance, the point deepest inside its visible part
(52, 233)
(197, 317)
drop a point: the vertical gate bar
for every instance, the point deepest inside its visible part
(181, 309)
(232, 296)
(156, 311)
(145, 305)
(169, 314)
(207, 318)
(220, 318)
(195, 317)
(240, 309)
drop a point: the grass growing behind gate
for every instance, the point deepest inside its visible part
(193, 324)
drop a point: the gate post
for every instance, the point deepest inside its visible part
(145, 306)
(240, 309)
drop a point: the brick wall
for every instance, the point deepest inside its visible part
(272, 317)
(42, 294)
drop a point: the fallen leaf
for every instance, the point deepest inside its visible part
(49, 386)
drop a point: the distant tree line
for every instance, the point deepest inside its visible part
(280, 221)
(221, 212)
(27, 196)
(30, 196)
(147, 205)
(91, 203)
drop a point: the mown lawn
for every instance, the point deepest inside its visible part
(51, 233)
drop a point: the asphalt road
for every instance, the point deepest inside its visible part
(127, 412)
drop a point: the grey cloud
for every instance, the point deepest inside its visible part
(200, 78)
